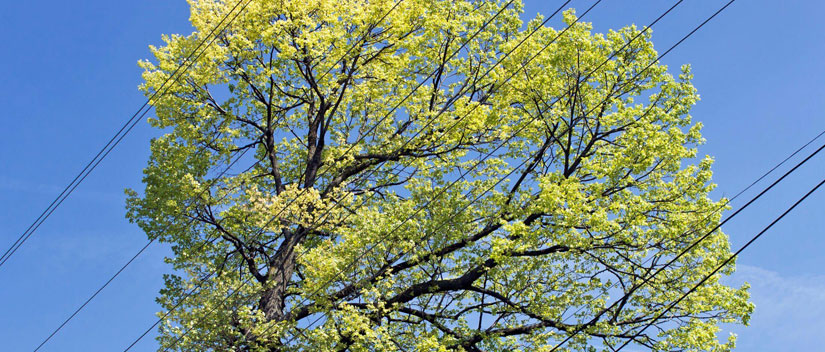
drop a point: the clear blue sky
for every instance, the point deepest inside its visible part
(69, 81)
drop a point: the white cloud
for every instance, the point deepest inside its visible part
(789, 314)
(26, 188)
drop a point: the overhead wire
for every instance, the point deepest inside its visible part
(527, 159)
(7, 254)
(110, 145)
(142, 249)
(645, 280)
(665, 53)
(481, 160)
(720, 266)
(635, 287)
(287, 205)
(680, 41)
(761, 177)
(650, 109)
(607, 60)
(130, 261)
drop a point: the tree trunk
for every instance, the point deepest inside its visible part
(279, 274)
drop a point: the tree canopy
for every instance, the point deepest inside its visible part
(426, 175)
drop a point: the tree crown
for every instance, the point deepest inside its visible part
(426, 175)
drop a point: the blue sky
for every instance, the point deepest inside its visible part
(69, 81)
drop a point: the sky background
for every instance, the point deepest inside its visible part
(69, 80)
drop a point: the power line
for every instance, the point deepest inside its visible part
(665, 53)
(754, 182)
(112, 143)
(726, 262)
(588, 75)
(779, 163)
(581, 328)
(695, 243)
(140, 251)
(641, 32)
(287, 205)
(274, 217)
(236, 290)
(468, 170)
(133, 121)
(742, 191)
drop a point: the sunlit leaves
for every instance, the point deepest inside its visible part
(421, 182)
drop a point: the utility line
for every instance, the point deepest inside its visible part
(141, 250)
(478, 163)
(114, 141)
(657, 19)
(599, 65)
(527, 159)
(633, 289)
(665, 53)
(776, 182)
(695, 243)
(236, 290)
(646, 112)
(726, 262)
(287, 205)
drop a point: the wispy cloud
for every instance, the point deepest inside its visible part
(13, 184)
(24, 187)
(790, 311)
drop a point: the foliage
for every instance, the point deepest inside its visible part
(496, 207)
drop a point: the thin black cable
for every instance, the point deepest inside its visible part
(684, 251)
(111, 144)
(591, 72)
(726, 262)
(139, 252)
(760, 178)
(633, 289)
(122, 268)
(484, 25)
(639, 34)
(204, 279)
(442, 191)
(626, 44)
(777, 165)
(740, 193)
(229, 167)
(92, 297)
(662, 56)
(764, 175)
(493, 186)
(286, 206)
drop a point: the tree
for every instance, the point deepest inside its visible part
(335, 178)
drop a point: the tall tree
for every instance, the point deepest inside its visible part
(426, 175)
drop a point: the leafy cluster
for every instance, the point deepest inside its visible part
(426, 175)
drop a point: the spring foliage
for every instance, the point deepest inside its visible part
(335, 178)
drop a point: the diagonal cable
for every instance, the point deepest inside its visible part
(140, 251)
(123, 267)
(115, 140)
(726, 262)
